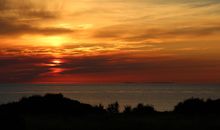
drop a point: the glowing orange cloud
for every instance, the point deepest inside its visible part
(132, 41)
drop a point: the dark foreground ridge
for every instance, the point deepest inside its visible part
(55, 112)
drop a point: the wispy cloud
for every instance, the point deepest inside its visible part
(132, 40)
(10, 28)
(23, 17)
(124, 33)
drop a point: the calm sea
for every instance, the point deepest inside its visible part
(161, 96)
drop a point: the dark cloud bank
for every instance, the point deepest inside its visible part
(20, 69)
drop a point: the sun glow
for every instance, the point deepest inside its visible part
(54, 40)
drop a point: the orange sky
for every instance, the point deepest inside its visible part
(110, 41)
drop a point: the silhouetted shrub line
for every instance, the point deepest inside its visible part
(55, 112)
(57, 103)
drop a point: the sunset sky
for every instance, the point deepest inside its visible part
(109, 41)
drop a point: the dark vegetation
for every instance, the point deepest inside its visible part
(55, 112)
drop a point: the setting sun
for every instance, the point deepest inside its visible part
(57, 61)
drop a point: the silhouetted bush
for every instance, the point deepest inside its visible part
(193, 105)
(100, 109)
(143, 109)
(127, 109)
(113, 108)
(198, 106)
